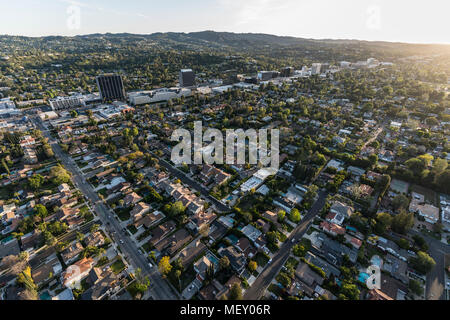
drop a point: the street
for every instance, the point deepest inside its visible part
(435, 288)
(256, 291)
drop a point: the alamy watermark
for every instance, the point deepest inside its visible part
(374, 279)
(373, 21)
(74, 16)
(192, 151)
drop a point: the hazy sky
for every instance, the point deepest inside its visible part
(420, 21)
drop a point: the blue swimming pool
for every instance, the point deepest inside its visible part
(45, 296)
(363, 277)
(376, 260)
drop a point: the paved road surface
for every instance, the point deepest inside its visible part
(256, 291)
(160, 289)
(435, 288)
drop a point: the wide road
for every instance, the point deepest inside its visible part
(220, 206)
(159, 289)
(257, 290)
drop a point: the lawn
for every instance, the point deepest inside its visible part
(123, 214)
(118, 266)
(147, 247)
(132, 289)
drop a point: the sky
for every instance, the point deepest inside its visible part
(415, 21)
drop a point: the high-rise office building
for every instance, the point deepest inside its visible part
(315, 68)
(265, 75)
(287, 72)
(187, 78)
(111, 87)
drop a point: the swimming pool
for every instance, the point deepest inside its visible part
(377, 261)
(363, 276)
(45, 296)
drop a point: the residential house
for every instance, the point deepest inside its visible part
(174, 242)
(72, 276)
(243, 245)
(72, 252)
(202, 267)
(341, 208)
(131, 199)
(149, 220)
(332, 229)
(103, 284)
(200, 221)
(213, 291)
(188, 254)
(139, 211)
(335, 218)
(95, 239)
(161, 231)
(237, 259)
(308, 277)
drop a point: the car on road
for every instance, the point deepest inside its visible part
(121, 241)
(150, 265)
(270, 261)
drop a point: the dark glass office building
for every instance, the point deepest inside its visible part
(187, 78)
(111, 87)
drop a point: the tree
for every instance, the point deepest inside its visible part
(49, 238)
(420, 242)
(403, 222)
(224, 263)
(349, 291)
(235, 292)
(164, 266)
(299, 250)
(416, 166)
(272, 237)
(177, 209)
(41, 211)
(252, 266)
(281, 215)
(25, 280)
(59, 175)
(36, 181)
(384, 222)
(423, 262)
(416, 287)
(400, 202)
(95, 228)
(178, 275)
(284, 279)
(311, 194)
(439, 166)
(295, 215)
(442, 181)
(73, 114)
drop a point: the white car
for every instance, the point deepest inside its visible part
(121, 241)
(150, 265)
